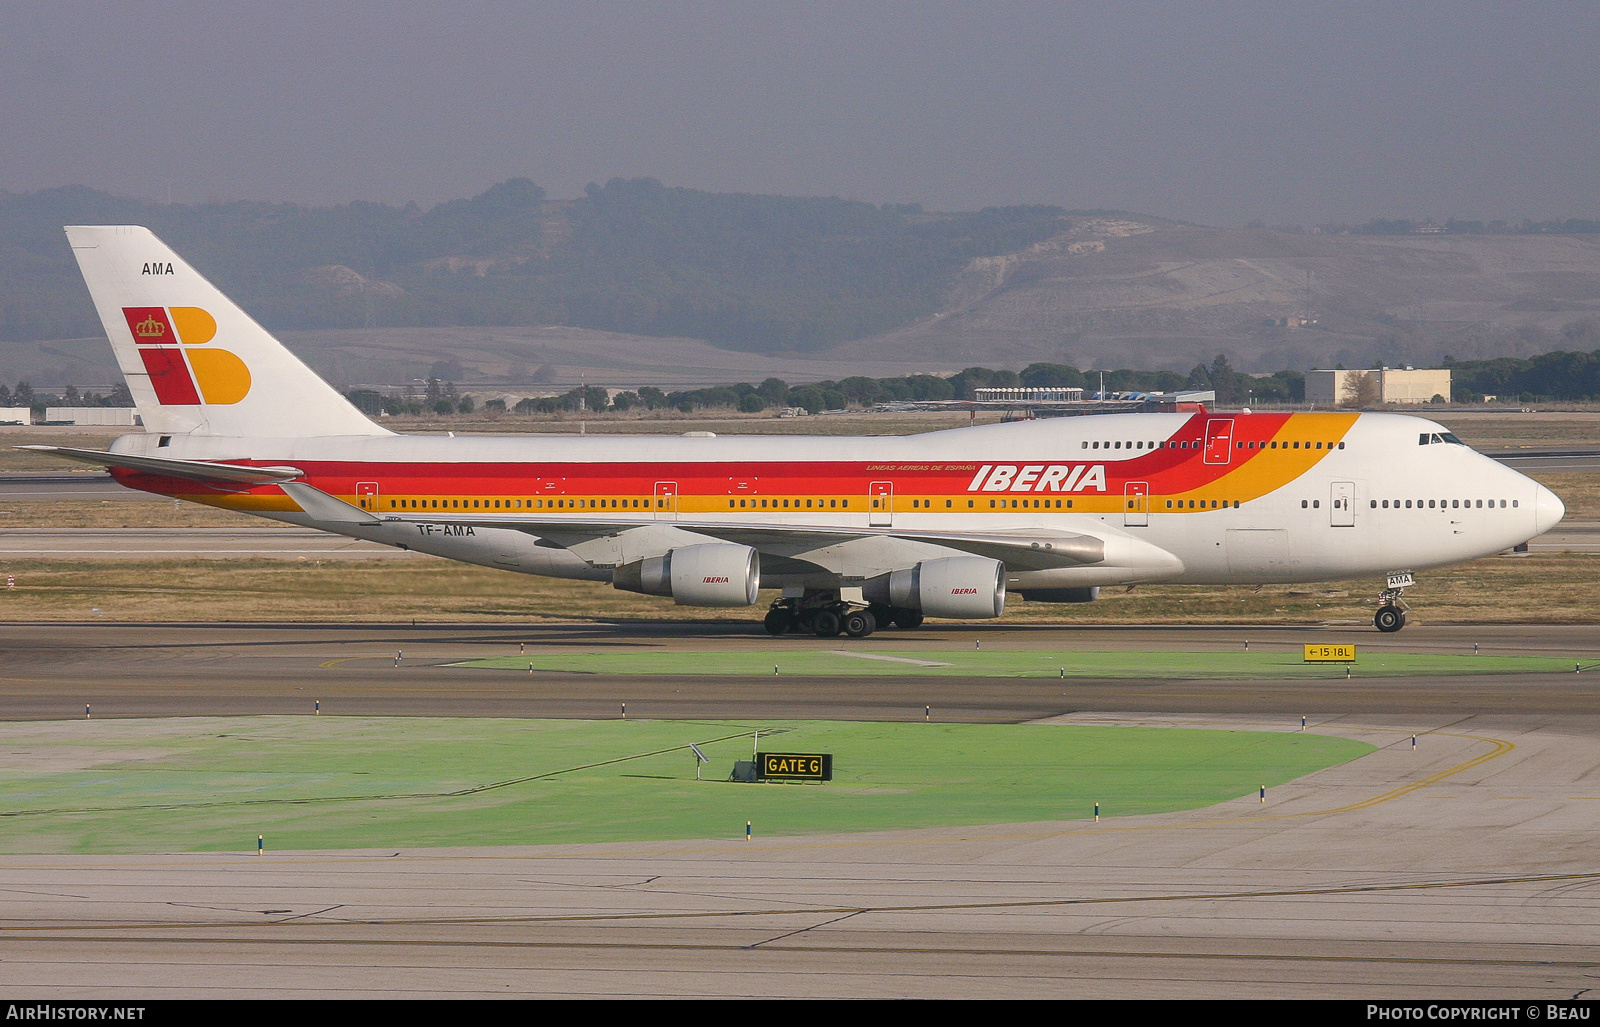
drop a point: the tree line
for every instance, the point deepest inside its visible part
(25, 396)
(442, 397)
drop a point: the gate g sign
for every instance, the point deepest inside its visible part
(794, 766)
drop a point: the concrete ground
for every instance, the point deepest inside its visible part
(1463, 869)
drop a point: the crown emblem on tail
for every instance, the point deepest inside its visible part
(149, 328)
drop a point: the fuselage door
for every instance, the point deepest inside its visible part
(1136, 504)
(1341, 504)
(880, 504)
(367, 494)
(666, 508)
(1219, 440)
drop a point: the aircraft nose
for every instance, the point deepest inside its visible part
(1548, 509)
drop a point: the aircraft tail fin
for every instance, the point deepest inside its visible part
(196, 363)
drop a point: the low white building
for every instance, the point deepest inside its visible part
(117, 417)
(1389, 385)
(1043, 394)
(16, 415)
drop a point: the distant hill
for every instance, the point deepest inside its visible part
(371, 286)
(758, 273)
(1117, 291)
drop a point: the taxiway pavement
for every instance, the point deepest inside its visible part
(1463, 868)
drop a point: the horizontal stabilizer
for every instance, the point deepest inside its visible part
(193, 470)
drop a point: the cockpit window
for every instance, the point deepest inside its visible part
(1429, 438)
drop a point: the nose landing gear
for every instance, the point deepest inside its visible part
(1391, 614)
(1389, 618)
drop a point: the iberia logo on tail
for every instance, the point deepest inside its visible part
(183, 374)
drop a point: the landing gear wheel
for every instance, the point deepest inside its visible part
(908, 618)
(1389, 619)
(859, 623)
(826, 624)
(779, 622)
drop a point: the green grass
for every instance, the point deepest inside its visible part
(826, 659)
(213, 784)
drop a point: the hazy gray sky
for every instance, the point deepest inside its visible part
(1213, 112)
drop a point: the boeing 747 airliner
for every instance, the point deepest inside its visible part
(857, 533)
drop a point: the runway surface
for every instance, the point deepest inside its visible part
(51, 671)
(1465, 868)
(270, 540)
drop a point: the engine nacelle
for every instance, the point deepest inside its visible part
(960, 586)
(1087, 594)
(715, 574)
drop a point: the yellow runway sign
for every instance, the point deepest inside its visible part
(1324, 653)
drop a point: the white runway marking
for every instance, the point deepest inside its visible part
(888, 659)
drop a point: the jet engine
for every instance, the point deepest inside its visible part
(959, 586)
(714, 574)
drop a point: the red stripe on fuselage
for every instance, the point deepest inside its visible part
(1169, 470)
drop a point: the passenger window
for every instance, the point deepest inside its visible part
(1316, 504)
(1304, 504)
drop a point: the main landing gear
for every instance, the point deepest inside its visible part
(827, 616)
(1391, 615)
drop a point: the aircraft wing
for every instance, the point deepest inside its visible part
(219, 474)
(1025, 549)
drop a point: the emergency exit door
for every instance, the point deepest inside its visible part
(666, 501)
(1136, 504)
(880, 504)
(1219, 440)
(1341, 504)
